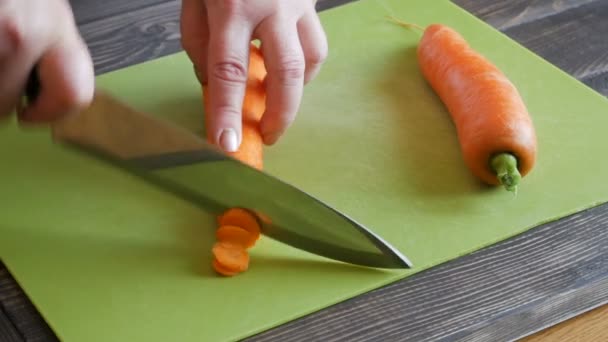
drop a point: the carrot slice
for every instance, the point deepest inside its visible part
(222, 270)
(241, 218)
(231, 257)
(236, 235)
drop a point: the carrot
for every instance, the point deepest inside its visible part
(242, 218)
(223, 270)
(250, 150)
(238, 228)
(236, 235)
(230, 257)
(495, 131)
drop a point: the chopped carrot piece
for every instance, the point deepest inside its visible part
(231, 257)
(263, 217)
(241, 218)
(222, 270)
(236, 235)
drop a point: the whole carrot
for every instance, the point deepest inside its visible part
(495, 131)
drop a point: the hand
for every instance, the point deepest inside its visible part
(216, 35)
(43, 33)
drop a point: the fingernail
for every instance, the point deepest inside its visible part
(228, 140)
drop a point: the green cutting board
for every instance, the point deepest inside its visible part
(107, 257)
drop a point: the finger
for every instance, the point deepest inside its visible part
(195, 35)
(15, 61)
(314, 44)
(285, 79)
(229, 39)
(67, 82)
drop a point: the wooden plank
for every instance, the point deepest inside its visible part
(592, 326)
(134, 37)
(540, 315)
(19, 310)
(86, 11)
(504, 15)
(568, 33)
(8, 331)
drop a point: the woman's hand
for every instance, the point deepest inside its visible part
(216, 35)
(43, 33)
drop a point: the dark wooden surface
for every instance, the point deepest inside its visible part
(503, 292)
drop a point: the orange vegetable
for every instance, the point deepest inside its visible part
(236, 235)
(223, 270)
(238, 228)
(230, 258)
(495, 131)
(242, 218)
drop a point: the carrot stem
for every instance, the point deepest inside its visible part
(404, 24)
(505, 167)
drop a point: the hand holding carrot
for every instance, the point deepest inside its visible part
(216, 35)
(43, 32)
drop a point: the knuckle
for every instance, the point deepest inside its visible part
(317, 56)
(12, 33)
(230, 71)
(291, 70)
(228, 112)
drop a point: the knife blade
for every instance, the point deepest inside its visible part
(187, 166)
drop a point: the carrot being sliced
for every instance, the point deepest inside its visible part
(496, 134)
(257, 69)
(238, 228)
(251, 150)
(231, 256)
(241, 218)
(236, 235)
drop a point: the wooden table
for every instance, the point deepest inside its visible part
(510, 290)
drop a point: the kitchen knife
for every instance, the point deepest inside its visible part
(184, 164)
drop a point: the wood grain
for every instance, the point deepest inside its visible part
(591, 326)
(86, 11)
(134, 37)
(20, 311)
(8, 331)
(503, 292)
(571, 34)
(504, 15)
